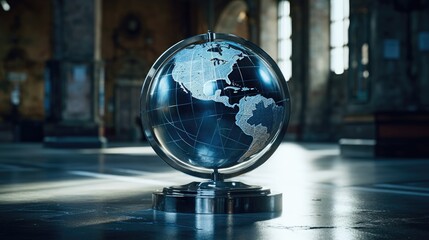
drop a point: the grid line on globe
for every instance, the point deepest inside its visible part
(217, 104)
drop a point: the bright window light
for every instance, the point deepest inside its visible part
(284, 39)
(5, 5)
(340, 10)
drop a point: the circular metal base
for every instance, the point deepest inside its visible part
(216, 197)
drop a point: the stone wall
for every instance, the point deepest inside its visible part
(25, 40)
(128, 53)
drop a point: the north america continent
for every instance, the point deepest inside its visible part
(198, 68)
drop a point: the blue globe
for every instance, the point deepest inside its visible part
(214, 102)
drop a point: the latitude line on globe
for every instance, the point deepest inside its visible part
(171, 123)
(218, 147)
(182, 140)
(194, 137)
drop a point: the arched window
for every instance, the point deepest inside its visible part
(339, 50)
(284, 39)
(233, 19)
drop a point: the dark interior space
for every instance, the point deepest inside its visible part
(75, 161)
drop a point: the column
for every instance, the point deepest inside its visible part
(315, 116)
(74, 80)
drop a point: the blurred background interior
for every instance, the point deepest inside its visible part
(358, 70)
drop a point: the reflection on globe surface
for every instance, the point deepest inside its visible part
(214, 104)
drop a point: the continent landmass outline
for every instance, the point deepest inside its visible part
(197, 70)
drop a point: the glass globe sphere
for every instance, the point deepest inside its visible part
(214, 103)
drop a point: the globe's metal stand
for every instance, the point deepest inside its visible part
(216, 196)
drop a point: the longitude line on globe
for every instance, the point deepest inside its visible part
(177, 107)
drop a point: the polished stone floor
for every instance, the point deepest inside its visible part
(106, 194)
